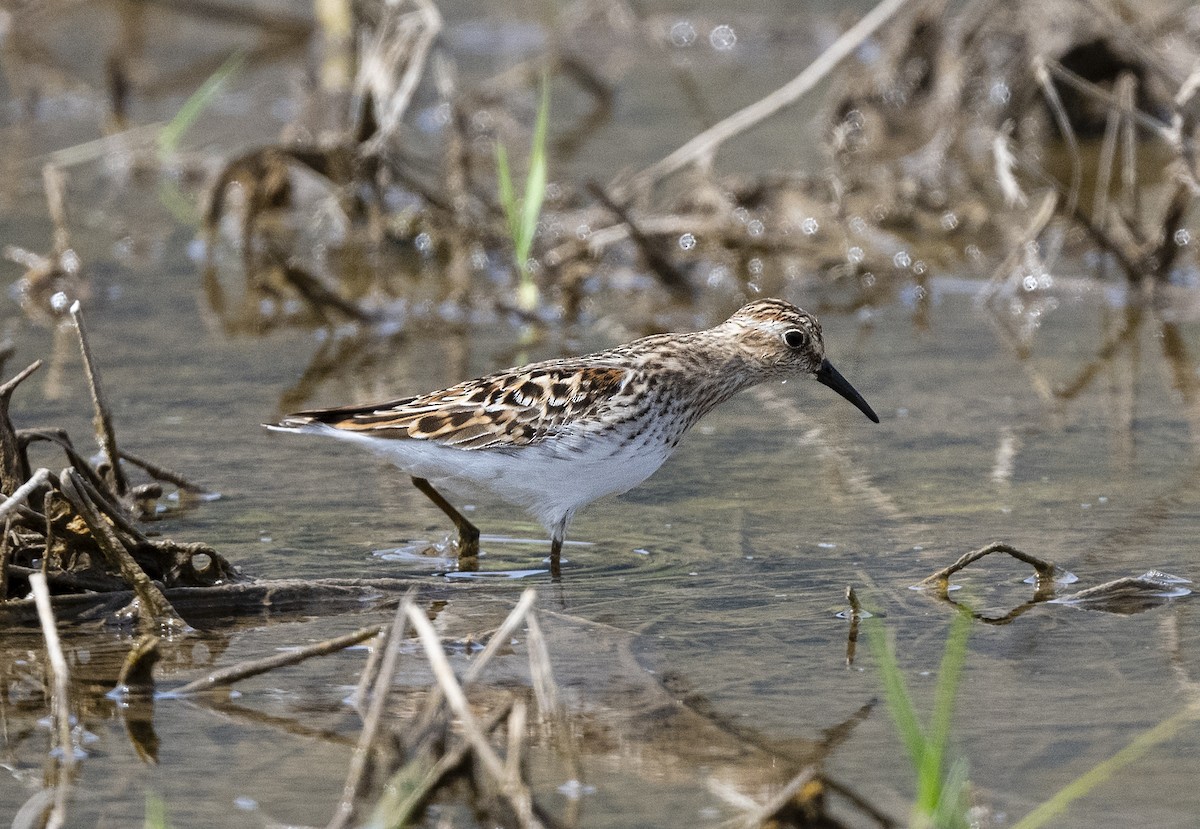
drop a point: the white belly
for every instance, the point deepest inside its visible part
(549, 480)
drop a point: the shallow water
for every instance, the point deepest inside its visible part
(721, 576)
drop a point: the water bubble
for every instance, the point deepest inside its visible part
(423, 242)
(70, 261)
(717, 276)
(1030, 282)
(574, 789)
(741, 214)
(722, 38)
(687, 241)
(919, 267)
(949, 221)
(867, 279)
(59, 301)
(682, 34)
(810, 226)
(755, 266)
(1182, 237)
(855, 254)
(999, 94)
(858, 224)
(972, 251)
(901, 259)
(582, 232)
(755, 227)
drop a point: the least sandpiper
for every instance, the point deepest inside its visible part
(553, 436)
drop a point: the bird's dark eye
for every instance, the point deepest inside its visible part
(795, 338)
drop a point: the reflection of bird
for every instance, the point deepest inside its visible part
(556, 435)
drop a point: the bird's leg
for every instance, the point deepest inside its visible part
(556, 544)
(468, 533)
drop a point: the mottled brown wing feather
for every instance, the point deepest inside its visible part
(512, 408)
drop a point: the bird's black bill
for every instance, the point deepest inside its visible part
(829, 376)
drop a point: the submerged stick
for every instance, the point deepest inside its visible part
(105, 434)
(356, 774)
(706, 142)
(150, 598)
(254, 667)
(58, 668)
(761, 816)
(512, 787)
(392, 812)
(498, 640)
(550, 705)
(1047, 571)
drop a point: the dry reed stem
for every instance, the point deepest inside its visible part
(512, 788)
(768, 810)
(1054, 101)
(61, 707)
(399, 813)
(153, 606)
(514, 760)
(366, 679)
(1037, 224)
(23, 492)
(58, 668)
(161, 473)
(105, 433)
(356, 774)
(703, 145)
(545, 689)
(254, 667)
(396, 43)
(498, 640)
(1047, 571)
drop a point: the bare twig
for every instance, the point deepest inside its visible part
(513, 788)
(254, 667)
(550, 706)
(768, 810)
(1065, 129)
(58, 667)
(704, 144)
(161, 473)
(24, 491)
(356, 774)
(104, 428)
(498, 640)
(398, 804)
(1047, 571)
(671, 276)
(153, 605)
(61, 706)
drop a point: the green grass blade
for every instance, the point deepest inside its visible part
(895, 691)
(1101, 772)
(535, 183)
(930, 777)
(156, 812)
(508, 199)
(173, 132)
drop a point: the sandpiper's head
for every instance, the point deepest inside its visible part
(785, 341)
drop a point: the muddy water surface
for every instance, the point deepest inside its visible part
(718, 582)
